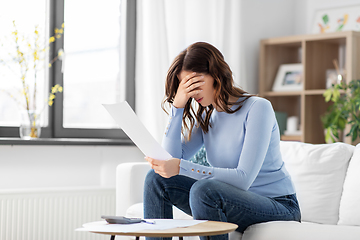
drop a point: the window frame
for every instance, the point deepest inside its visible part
(55, 127)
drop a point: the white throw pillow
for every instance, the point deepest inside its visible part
(349, 205)
(318, 172)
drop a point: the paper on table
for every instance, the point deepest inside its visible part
(127, 120)
(160, 224)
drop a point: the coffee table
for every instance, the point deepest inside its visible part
(208, 228)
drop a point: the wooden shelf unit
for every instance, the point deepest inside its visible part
(316, 53)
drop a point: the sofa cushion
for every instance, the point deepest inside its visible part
(349, 205)
(318, 172)
(300, 231)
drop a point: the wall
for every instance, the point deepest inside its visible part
(263, 19)
(58, 188)
(62, 166)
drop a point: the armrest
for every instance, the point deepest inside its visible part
(129, 185)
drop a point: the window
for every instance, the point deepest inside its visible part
(97, 39)
(91, 69)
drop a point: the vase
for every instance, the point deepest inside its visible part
(29, 124)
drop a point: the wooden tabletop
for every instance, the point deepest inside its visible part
(207, 228)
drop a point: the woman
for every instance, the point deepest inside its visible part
(247, 182)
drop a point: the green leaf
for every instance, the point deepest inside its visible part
(342, 123)
(328, 137)
(355, 134)
(327, 94)
(351, 133)
(335, 95)
(335, 132)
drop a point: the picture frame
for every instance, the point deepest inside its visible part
(289, 78)
(337, 19)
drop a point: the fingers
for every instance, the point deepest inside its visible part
(164, 168)
(187, 77)
(192, 86)
(157, 168)
(195, 86)
(194, 80)
(151, 161)
(189, 86)
(191, 78)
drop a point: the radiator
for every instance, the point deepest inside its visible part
(53, 214)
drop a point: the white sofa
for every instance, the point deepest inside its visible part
(327, 181)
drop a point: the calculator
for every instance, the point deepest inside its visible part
(121, 220)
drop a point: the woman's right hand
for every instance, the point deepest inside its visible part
(188, 87)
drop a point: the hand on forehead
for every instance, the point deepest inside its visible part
(185, 75)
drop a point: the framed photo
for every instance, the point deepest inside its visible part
(289, 78)
(337, 19)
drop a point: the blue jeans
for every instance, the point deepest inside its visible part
(214, 200)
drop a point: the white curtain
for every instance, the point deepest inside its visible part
(166, 27)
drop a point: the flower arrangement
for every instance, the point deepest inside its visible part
(26, 59)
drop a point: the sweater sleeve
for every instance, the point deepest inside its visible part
(258, 129)
(174, 143)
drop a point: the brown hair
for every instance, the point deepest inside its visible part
(204, 58)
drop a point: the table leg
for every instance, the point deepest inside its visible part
(137, 238)
(207, 237)
(180, 238)
(112, 237)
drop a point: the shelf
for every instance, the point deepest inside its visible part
(290, 104)
(298, 93)
(293, 40)
(275, 94)
(316, 53)
(315, 92)
(291, 138)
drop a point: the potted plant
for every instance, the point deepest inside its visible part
(344, 110)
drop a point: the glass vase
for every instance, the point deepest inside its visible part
(30, 124)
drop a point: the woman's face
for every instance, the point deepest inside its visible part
(207, 96)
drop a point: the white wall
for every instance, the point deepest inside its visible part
(62, 166)
(263, 19)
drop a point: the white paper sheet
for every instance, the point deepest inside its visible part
(160, 224)
(127, 120)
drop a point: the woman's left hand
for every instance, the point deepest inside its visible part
(165, 168)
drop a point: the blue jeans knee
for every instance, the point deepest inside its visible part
(205, 201)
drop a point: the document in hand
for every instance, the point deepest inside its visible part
(127, 120)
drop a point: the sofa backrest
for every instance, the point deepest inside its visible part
(318, 172)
